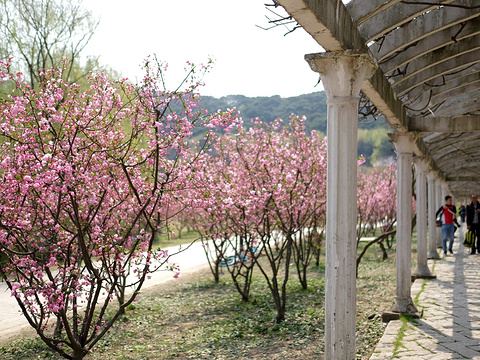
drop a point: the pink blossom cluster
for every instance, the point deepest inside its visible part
(262, 188)
(270, 173)
(376, 198)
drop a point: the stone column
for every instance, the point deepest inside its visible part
(404, 148)
(432, 208)
(422, 270)
(445, 191)
(342, 75)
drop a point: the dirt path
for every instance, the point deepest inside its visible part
(193, 266)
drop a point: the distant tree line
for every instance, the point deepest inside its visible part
(373, 142)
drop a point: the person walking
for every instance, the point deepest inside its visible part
(448, 214)
(473, 222)
(462, 212)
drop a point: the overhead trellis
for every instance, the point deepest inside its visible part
(428, 76)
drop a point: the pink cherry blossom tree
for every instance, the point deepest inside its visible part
(376, 200)
(376, 205)
(85, 175)
(225, 215)
(265, 196)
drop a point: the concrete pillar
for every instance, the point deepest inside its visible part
(432, 208)
(404, 148)
(438, 186)
(422, 270)
(445, 192)
(342, 75)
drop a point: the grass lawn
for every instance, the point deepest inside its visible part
(166, 240)
(194, 318)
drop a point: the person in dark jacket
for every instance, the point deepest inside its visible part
(462, 212)
(448, 214)
(473, 221)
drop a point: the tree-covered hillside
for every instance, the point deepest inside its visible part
(373, 141)
(313, 106)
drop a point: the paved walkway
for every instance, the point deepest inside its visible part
(450, 326)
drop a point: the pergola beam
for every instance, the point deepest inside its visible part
(422, 27)
(461, 105)
(362, 11)
(450, 90)
(465, 179)
(442, 83)
(444, 124)
(429, 74)
(431, 59)
(447, 37)
(327, 21)
(392, 18)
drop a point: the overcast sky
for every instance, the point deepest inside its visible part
(248, 60)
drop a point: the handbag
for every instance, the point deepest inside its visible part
(438, 222)
(469, 239)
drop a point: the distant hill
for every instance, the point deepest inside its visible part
(313, 106)
(372, 135)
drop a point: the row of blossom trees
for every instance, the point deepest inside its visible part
(91, 175)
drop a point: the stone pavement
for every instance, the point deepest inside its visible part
(450, 325)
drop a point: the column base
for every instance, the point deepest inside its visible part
(433, 255)
(393, 315)
(404, 305)
(423, 276)
(422, 273)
